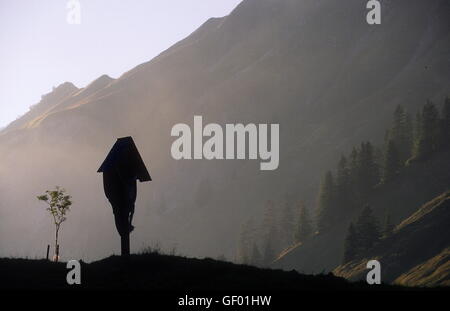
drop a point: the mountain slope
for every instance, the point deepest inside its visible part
(47, 103)
(414, 186)
(315, 67)
(433, 272)
(415, 252)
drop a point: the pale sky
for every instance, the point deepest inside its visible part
(39, 49)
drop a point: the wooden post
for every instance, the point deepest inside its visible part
(48, 251)
(57, 253)
(125, 244)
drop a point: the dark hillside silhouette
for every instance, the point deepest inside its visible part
(155, 272)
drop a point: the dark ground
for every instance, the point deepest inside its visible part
(162, 280)
(165, 273)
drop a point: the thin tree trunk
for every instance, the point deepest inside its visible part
(56, 244)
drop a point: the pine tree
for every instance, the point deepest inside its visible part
(269, 253)
(354, 156)
(378, 157)
(428, 139)
(417, 131)
(367, 171)
(353, 171)
(392, 162)
(343, 174)
(343, 188)
(287, 226)
(244, 243)
(407, 143)
(445, 125)
(304, 226)
(270, 233)
(418, 125)
(371, 165)
(401, 134)
(351, 244)
(367, 229)
(256, 258)
(388, 225)
(325, 215)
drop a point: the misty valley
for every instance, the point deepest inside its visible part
(250, 137)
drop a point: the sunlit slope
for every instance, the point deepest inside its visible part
(417, 252)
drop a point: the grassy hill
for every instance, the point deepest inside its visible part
(433, 272)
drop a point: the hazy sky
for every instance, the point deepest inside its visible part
(39, 49)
